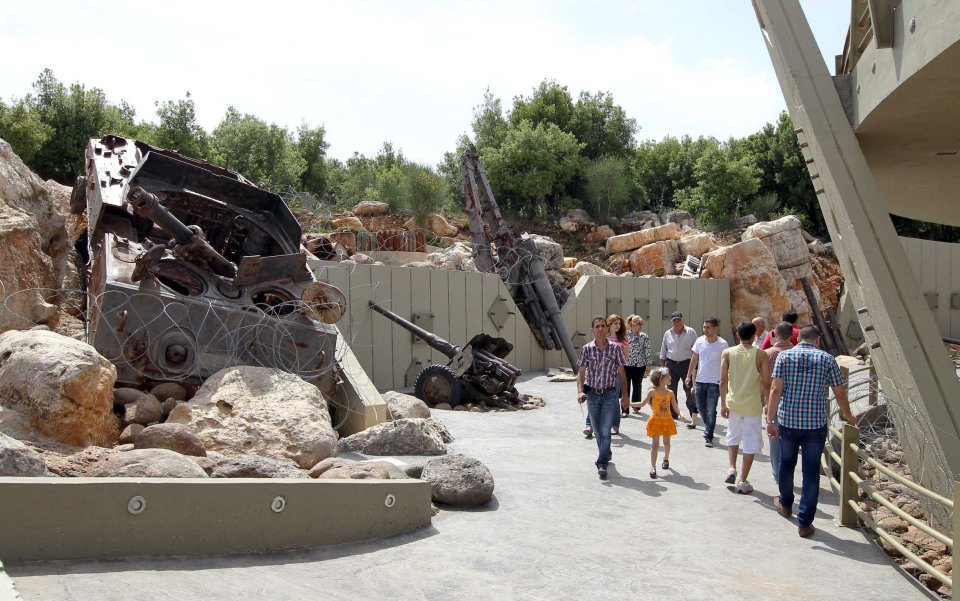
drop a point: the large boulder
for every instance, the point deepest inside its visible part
(551, 253)
(348, 223)
(633, 240)
(336, 468)
(784, 238)
(681, 218)
(370, 208)
(655, 259)
(402, 406)
(459, 481)
(17, 459)
(639, 220)
(583, 268)
(260, 411)
(62, 387)
(599, 234)
(576, 219)
(33, 246)
(436, 224)
(175, 437)
(254, 466)
(756, 288)
(145, 463)
(411, 436)
(453, 258)
(697, 245)
(145, 410)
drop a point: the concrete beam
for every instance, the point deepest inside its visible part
(913, 367)
(98, 518)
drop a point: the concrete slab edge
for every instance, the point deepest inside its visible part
(100, 518)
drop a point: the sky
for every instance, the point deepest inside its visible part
(411, 72)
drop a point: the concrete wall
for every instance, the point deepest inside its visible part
(88, 518)
(937, 267)
(456, 305)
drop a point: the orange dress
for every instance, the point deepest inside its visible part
(661, 421)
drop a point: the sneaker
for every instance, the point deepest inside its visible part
(602, 473)
(731, 476)
(744, 488)
(587, 433)
(691, 426)
(708, 444)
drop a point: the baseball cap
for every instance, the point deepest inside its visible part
(676, 315)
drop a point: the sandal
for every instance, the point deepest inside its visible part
(665, 465)
(653, 473)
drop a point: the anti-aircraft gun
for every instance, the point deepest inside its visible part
(498, 248)
(476, 373)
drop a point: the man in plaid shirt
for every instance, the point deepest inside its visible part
(599, 370)
(797, 415)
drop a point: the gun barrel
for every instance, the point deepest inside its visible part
(433, 341)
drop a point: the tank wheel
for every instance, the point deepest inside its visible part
(438, 384)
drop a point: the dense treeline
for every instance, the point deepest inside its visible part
(546, 154)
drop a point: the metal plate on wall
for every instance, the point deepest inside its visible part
(933, 299)
(499, 312)
(669, 306)
(641, 307)
(955, 300)
(423, 320)
(614, 305)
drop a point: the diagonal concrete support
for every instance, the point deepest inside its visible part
(912, 366)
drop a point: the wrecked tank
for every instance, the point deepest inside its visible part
(190, 268)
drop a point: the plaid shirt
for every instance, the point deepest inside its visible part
(601, 364)
(807, 372)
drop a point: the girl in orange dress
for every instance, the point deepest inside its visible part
(661, 423)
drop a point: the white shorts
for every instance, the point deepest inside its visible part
(745, 430)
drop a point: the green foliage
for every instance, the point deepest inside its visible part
(178, 128)
(724, 183)
(532, 167)
(23, 129)
(602, 126)
(423, 191)
(312, 147)
(389, 186)
(607, 187)
(764, 206)
(489, 125)
(550, 103)
(260, 152)
(450, 169)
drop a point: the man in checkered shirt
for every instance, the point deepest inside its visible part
(600, 377)
(797, 415)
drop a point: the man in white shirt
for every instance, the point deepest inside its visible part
(761, 325)
(675, 352)
(705, 371)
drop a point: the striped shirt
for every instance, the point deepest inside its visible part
(807, 373)
(601, 364)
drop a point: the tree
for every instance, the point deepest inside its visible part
(23, 129)
(550, 103)
(312, 147)
(724, 183)
(423, 191)
(607, 187)
(489, 125)
(602, 126)
(260, 152)
(532, 167)
(178, 128)
(449, 169)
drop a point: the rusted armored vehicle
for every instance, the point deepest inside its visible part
(191, 268)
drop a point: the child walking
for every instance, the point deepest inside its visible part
(661, 423)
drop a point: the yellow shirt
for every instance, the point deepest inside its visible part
(744, 395)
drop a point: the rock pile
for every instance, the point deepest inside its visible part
(784, 238)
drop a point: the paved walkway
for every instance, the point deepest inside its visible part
(554, 532)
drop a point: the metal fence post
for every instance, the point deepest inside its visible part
(956, 515)
(848, 463)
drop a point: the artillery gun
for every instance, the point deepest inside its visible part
(476, 373)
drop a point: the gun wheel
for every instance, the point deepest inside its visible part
(438, 384)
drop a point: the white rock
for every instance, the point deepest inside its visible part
(146, 463)
(550, 251)
(400, 406)
(371, 208)
(17, 459)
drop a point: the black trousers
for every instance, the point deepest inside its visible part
(635, 381)
(678, 375)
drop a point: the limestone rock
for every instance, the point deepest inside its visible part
(169, 405)
(569, 262)
(441, 428)
(33, 246)
(655, 259)
(402, 406)
(362, 259)
(452, 258)
(746, 220)
(169, 390)
(350, 223)
(145, 410)
(411, 436)
(640, 219)
(334, 468)
(458, 480)
(568, 225)
(175, 437)
(124, 396)
(756, 288)
(583, 268)
(634, 240)
(820, 249)
(784, 238)
(436, 224)
(17, 459)
(579, 218)
(619, 262)
(263, 411)
(599, 234)
(130, 433)
(681, 218)
(414, 470)
(697, 245)
(551, 253)
(146, 463)
(254, 466)
(370, 208)
(61, 385)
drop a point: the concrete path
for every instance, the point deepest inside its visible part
(554, 532)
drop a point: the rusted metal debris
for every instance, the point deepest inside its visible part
(192, 268)
(476, 373)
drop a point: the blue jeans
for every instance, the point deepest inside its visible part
(616, 420)
(775, 457)
(707, 397)
(602, 409)
(808, 444)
